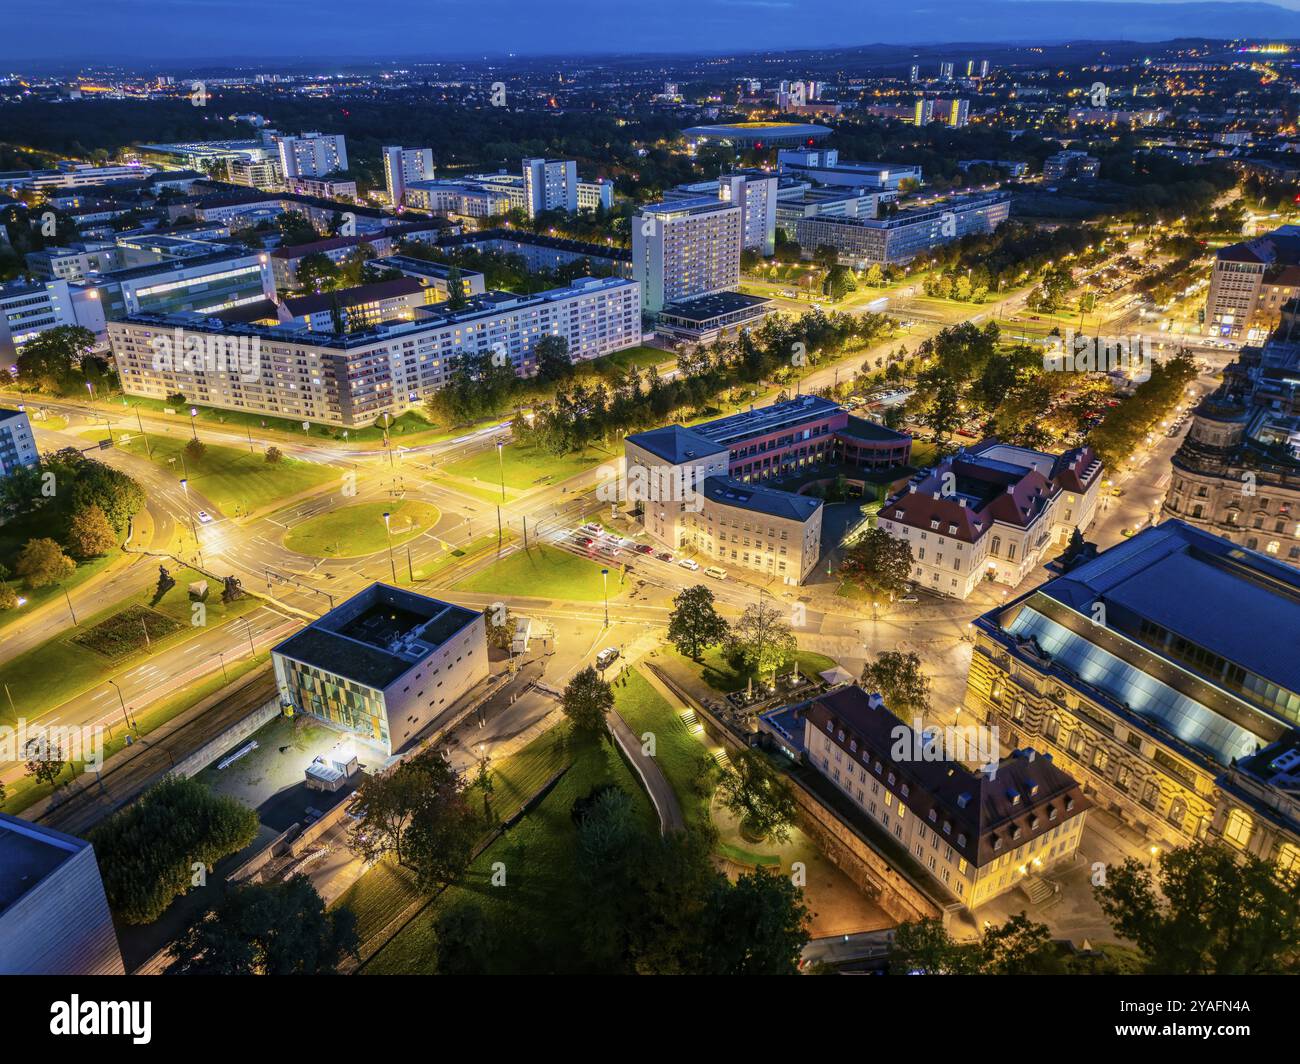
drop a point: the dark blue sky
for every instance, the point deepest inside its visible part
(169, 32)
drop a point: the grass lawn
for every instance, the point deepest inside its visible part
(524, 466)
(545, 572)
(353, 531)
(679, 753)
(923, 454)
(85, 570)
(59, 669)
(535, 911)
(718, 673)
(235, 481)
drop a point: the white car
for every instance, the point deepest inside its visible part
(716, 573)
(687, 563)
(606, 658)
(204, 517)
(594, 527)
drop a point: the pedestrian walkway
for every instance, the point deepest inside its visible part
(652, 776)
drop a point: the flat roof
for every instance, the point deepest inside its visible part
(767, 419)
(29, 853)
(377, 635)
(719, 304)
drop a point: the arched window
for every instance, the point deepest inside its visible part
(995, 546)
(1288, 860)
(1273, 547)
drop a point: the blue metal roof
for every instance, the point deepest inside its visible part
(676, 444)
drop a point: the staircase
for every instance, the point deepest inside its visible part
(1037, 889)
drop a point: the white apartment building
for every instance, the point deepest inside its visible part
(28, 309)
(753, 191)
(17, 444)
(312, 155)
(550, 185)
(354, 379)
(686, 248)
(401, 167)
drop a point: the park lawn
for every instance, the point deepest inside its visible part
(545, 572)
(26, 791)
(59, 669)
(535, 911)
(680, 754)
(641, 357)
(85, 570)
(717, 672)
(236, 482)
(432, 568)
(357, 530)
(523, 466)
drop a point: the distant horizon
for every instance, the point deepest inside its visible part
(166, 34)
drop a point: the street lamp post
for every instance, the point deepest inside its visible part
(194, 528)
(388, 530)
(604, 573)
(194, 412)
(501, 463)
(123, 701)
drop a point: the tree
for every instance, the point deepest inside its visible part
(587, 700)
(419, 813)
(274, 455)
(455, 289)
(465, 939)
(694, 624)
(1018, 947)
(763, 639)
(195, 449)
(899, 680)
(90, 535)
(50, 359)
(925, 946)
(770, 908)
(316, 272)
(42, 563)
(755, 792)
(1209, 910)
(186, 825)
(45, 759)
(267, 929)
(878, 563)
(551, 353)
(8, 597)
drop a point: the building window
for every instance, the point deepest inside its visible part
(1238, 828)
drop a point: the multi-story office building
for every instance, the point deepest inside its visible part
(979, 833)
(595, 195)
(54, 916)
(1071, 166)
(312, 155)
(202, 283)
(329, 188)
(75, 261)
(900, 237)
(992, 513)
(401, 167)
(705, 488)
(686, 248)
(1161, 673)
(800, 202)
(264, 174)
(83, 175)
(27, 309)
(550, 185)
(1251, 282)
(17, 444)
(1237, 472)
(383, 665)
(823, 166)
(356, 378)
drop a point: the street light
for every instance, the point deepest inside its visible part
(123, 701)
(185, 484)
(388, 530)
(605, 578)
(194, 412)
(501, 463)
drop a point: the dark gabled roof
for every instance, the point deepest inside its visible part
(298, 251)
(297, 306)
(986, 814)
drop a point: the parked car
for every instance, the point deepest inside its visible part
(644, 548)
(606, 658)
(664, 556)
(909, 598)
(716, 573)
(687, 563)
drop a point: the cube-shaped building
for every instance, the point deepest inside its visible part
(383, 664)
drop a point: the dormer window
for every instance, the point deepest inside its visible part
(853, 745)
(933, 816)
(830, 725)
(934, 523)
(961, 839)
(1016, 833)
(1069, 804)
(891, 779)
(997, 842)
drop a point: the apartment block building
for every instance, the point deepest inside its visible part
(686, 248)
(754, 191)
(384, 664)
(354, 379)
(358, 307)
(401, 167)
(457, 199)
(1250, 284)
(977, 830)
(991, 513)
(1162, 674)
(27, 309)
(75, 261)
(550, 185)
(1071, 166)
(902, 236)
(312, 155)
(17, 444)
